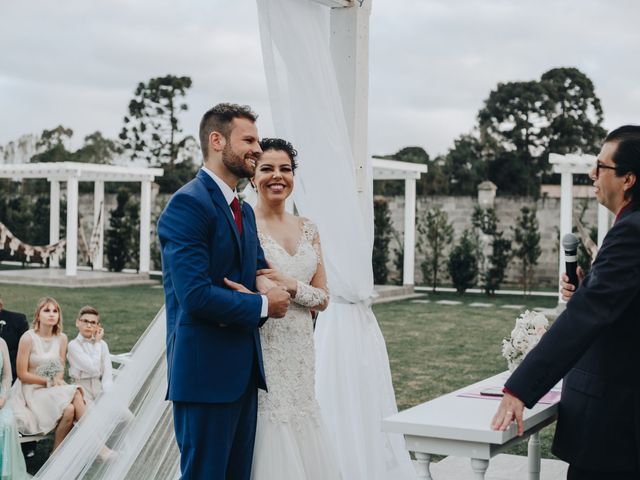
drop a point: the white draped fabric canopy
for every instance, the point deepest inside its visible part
(353, 381)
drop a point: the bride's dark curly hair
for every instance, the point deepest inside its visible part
(278, 144)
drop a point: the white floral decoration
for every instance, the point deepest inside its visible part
(530, 326)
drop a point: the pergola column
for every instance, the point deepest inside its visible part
(98, 217)
(604, 222)
(566, 166)
(72, 227)
(409, 231)
(54, 215)
(350, 55)
(145, 226)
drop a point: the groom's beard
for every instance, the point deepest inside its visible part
(239, 166)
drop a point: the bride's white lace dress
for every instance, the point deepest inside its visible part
(291, 440)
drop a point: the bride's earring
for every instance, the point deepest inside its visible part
(253, 185)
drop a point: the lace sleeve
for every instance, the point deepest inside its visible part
(310, 297)
(316, 295)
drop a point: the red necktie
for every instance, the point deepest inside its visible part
(237, 215)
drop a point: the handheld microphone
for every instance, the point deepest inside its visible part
(570, 245)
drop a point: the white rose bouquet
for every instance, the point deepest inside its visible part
(530, 326)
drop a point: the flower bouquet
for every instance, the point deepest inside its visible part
(49, 369)
(530, 326)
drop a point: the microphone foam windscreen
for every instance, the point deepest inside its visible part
(570, 242)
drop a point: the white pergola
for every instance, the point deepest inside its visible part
(409, 172)
(567, 166)
(72, 173)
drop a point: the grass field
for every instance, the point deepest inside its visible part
(124, 311)
(433, 348)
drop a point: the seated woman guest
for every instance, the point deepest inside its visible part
(42, 400)
(12, 464)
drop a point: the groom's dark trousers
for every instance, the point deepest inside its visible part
(214, 358)
(217, 438)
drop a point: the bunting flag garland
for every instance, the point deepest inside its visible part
(9, 242)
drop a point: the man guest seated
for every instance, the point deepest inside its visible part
(15, 324)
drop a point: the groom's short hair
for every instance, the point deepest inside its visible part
(219, 118)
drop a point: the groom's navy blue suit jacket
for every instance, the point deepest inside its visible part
(213, 341)
(596, 343)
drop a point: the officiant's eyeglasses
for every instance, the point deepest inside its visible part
(600, 165)
(90, 323)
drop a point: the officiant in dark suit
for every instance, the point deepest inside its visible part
(594, 343)
(15, 324)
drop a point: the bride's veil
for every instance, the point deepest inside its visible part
(133, 419)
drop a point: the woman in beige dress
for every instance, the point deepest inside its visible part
(43, 401)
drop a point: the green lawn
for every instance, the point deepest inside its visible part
(433, 349)
(124, 311)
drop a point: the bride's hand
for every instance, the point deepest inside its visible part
(263, 284)
(238, 287)
(291, 284)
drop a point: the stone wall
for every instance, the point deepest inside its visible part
(460, 211)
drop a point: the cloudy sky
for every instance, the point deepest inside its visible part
(432, 62)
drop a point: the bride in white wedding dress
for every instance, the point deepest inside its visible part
(291, 440)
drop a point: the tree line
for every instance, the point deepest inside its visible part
(519, 124)
(151, 132)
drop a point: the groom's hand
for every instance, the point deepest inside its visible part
(238, 287)
(278, 298)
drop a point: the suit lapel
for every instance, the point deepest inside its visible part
(218, 199)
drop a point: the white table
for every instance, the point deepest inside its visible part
(455, 425)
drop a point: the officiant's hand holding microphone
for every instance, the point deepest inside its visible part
(574, 275)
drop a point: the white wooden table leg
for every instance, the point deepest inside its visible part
(534, 457)
(479, 467)
(423, 460)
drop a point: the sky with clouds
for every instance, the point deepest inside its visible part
(432, 62)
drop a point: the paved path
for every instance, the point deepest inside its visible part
(473, 304)
(501, 467)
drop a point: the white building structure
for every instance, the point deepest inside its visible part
(409, 172)
(72, 173)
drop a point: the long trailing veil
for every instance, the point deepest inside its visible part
(144, 442)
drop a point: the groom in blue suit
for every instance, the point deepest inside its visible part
(214, 358)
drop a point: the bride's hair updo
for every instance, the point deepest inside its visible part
(281, 145)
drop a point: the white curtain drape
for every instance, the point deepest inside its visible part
(353, 379)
